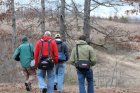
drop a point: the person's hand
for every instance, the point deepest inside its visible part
(34, 67)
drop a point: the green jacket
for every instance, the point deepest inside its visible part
(26, 54)
(85, 52)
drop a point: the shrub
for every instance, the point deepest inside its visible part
(124, 19)
(110, 18)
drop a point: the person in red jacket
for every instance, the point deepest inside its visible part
(41, 73)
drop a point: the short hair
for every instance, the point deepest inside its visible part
(47, 33)
(82, 37)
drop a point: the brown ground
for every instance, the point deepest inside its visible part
(19, 88)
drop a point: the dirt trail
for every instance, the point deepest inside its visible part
(19, 88)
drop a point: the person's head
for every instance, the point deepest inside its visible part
(24, 39)
(82, 37)
(57, 36)
(47, 33)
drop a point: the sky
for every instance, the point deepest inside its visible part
(100, 11)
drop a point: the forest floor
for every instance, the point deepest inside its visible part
(19, 88)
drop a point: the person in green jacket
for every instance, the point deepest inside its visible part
(87, 54)
(25, 49)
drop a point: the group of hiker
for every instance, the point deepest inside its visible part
(47, 61)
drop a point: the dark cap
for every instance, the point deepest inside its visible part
(82, 37)
(24, 38)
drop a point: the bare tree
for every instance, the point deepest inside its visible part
(133, 0)
(13, 21)
(43, 16)
(62, 20)
(87, 19)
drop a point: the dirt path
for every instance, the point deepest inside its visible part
(19, 88)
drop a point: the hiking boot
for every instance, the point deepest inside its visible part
(55, 87)
(28, 86)
(44, 90)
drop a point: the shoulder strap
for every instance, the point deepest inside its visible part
(77, 52)
(61, 47)
(30, 50)
(89, 55)
(42, 43)
(49, 54)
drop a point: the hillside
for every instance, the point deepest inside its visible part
(117, 65)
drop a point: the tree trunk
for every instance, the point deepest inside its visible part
(76, 14)
(13, 23)
(86, 29)
(62, 21)
(43, 16)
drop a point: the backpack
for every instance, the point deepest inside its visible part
(46, 62)
(82, 65)
(61, 54)
(17, 57)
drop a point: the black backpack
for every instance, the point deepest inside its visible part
(61, 54)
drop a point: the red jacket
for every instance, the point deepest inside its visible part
(53, 49)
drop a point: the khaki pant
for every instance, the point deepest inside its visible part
(29, 74)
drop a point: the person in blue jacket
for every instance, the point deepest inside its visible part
(61, 66)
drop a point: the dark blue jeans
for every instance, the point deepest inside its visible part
(88, 75)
